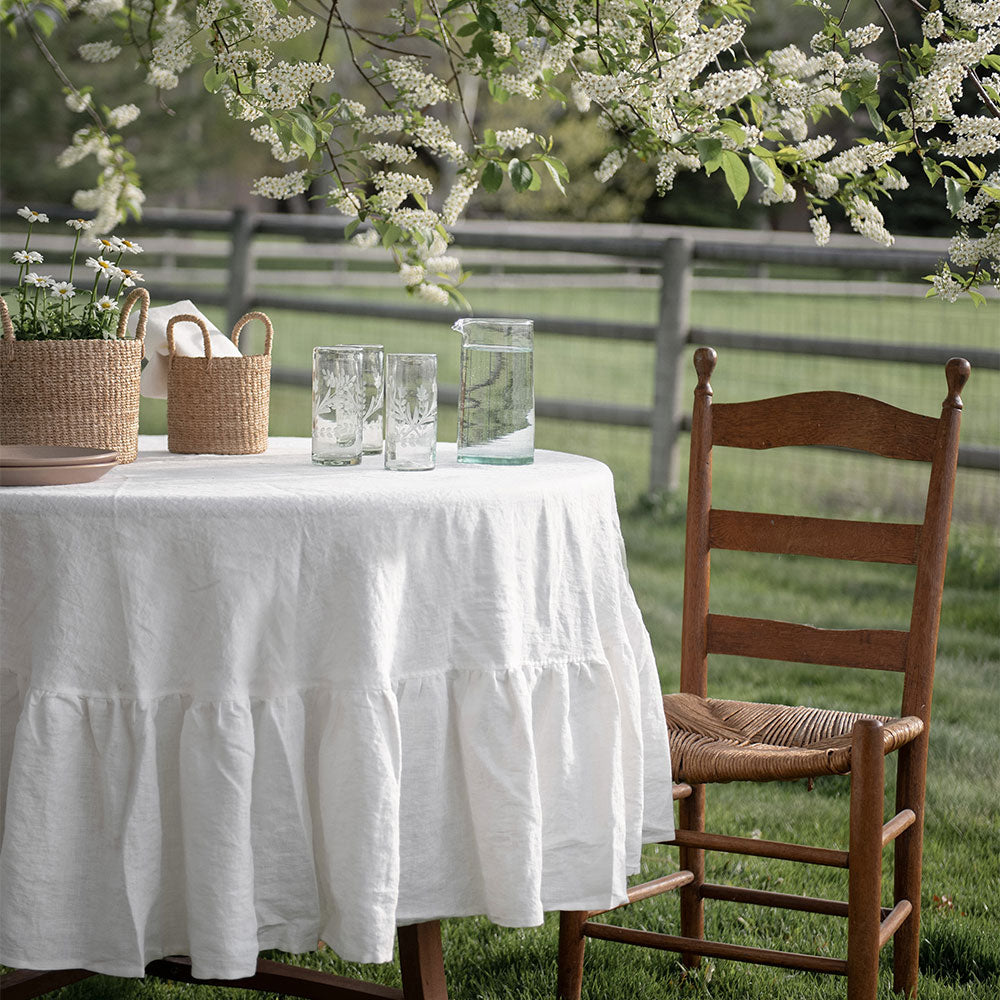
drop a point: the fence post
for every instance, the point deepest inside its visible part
(671, 339)
(239, 290)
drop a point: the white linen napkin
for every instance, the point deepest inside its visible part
(188, 340)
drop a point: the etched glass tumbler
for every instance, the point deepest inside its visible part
(372, 375)
(338, 400)
(410, 412)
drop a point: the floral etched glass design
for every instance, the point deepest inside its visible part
(338, 406)
(372, 375)
(411, 412)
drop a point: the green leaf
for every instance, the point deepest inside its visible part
(873, 114)
(556, 164)
(710, 153)
(762, 170)
(306, 141)
(977, 298)
(520, 174)
(281, 6)
(956, 196)
(931, 169)
(391, 235)
(734, 130)
(492, 176)
(536, 179)
(214, 79)
(851, 101)
(487, 19)
(554, 173)
(45, 22)
(737, 175)
(351, 228)
(467, 29)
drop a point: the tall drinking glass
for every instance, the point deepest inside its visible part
(496, 402)
(373, 377)
(410, 412)
(338, 405)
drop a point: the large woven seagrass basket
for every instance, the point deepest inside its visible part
(75, 393)
(218, 405)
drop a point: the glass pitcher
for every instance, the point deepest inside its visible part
(496, 402)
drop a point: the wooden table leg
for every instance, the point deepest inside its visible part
(421, 965)
(421, 962)
(21, 984)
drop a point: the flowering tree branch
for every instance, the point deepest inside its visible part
(672, 84)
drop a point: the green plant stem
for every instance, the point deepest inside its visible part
(72, 259)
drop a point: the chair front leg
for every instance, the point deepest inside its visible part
(864, 892)
(908, 850)
(692, 817)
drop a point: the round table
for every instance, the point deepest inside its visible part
(252, 703)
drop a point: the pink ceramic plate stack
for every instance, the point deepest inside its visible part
(46, 465)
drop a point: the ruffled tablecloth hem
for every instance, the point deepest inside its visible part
(222, 826)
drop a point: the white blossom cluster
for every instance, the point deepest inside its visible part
(672, 84)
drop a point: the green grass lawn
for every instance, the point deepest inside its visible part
(960, 950)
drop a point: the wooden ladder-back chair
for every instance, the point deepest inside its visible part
(713, 740)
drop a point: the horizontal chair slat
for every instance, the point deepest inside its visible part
(805, 853)
(839, 419)
(876, 649)
(828, 538)
(903, 820)
(654, 888)
(717, 949)
(780, 900)
(893, 921)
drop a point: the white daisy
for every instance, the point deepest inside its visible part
(100, 264)
(31, 216)
(27, 257)
(129, 276)
(108, 243)
(106, 304)
(79, 224)
(38, 280)
(63, 290)
(128, 245)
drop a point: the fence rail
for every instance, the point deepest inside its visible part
(674, 259)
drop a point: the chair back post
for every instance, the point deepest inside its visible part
(918, 681)
(933, 551)
(697, 557)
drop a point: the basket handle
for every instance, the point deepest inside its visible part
(8, 326)
(136, 295)
(242, 322)
(188, 318)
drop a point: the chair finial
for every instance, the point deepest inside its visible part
(957, 371)
(704, 365)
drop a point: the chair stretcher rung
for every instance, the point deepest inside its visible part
(768, 639)
(903, 820)
(892, 922)
(782, 900)
(716, 949)
(761, 848)
(681, 790)
(654, 888)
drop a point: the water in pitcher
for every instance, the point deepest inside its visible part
(496, 422)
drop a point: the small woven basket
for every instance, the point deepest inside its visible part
(76, 393)
(218, 405)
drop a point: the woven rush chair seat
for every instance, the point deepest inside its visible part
(715, 740)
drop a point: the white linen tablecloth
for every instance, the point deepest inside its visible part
(251, 703)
